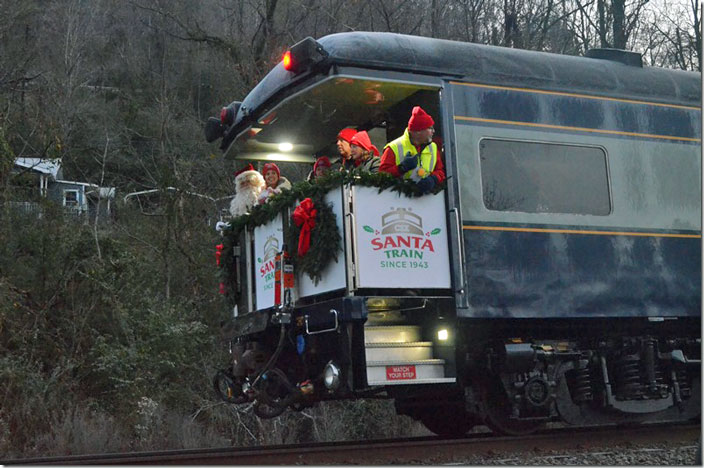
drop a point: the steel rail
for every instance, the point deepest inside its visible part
(377, 452)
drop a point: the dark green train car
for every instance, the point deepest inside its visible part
(571, 216)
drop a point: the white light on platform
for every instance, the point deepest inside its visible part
(285, 147)
(443, 334)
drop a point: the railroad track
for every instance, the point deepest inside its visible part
(425, 450)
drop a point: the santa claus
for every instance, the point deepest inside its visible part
(248, 184)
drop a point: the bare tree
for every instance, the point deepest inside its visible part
(675, 31)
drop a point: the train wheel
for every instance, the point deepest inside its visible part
(447, 420)
(497, 410)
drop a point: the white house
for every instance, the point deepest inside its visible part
(78, 197)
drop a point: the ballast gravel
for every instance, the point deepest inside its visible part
(630, 454)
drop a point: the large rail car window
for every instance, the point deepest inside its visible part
(544, 177)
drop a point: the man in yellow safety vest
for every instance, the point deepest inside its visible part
(414, 155)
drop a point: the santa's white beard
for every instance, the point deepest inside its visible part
(244, 200)
(249, 184)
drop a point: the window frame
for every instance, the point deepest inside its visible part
(554, 143)
(76, 191)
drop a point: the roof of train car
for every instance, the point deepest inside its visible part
(485, 64)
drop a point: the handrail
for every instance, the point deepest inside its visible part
(461, 247)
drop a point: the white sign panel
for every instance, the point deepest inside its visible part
(268, 240)
(401, 241)
(333, 276)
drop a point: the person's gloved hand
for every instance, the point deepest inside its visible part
(408, 163)
(427, 184)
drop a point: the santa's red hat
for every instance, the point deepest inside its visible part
(419, 120)
(246, 168)
(271, 167)
(320, 162)
(361, 139)
(346, 134)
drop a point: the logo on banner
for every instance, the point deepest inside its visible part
(402, 240)
(266, 269)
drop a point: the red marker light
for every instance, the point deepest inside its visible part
(288, 64)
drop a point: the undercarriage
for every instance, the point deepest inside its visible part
(514, 385)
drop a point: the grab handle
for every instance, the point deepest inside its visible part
(460, 243)
(308, 332)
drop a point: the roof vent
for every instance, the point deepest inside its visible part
(632, 59)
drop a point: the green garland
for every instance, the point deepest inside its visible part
(325, 239)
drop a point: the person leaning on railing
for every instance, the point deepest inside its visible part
(321, 167)
(362, 150)
(275, 182)
(344, 137)
(414, 155)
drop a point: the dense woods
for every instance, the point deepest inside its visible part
(109, 331)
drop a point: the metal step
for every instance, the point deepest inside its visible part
(412, 351)
(391, 334)
(412, 382)
(404, 371)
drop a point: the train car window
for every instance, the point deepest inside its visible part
(544, 177)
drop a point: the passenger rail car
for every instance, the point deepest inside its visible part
(564, 281)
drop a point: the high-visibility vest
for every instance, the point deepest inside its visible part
(402, 145)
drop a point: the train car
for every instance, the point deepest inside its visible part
(556, 277)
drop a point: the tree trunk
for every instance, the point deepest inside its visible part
(696, 13)
(601, 8)
(618, 10)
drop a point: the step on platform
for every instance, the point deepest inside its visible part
(391, 333)
(396, 356)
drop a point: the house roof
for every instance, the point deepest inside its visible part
(45, 166)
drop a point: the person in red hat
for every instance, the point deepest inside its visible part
(365, 155)
(414, 155)
(344, 137)
(248, 184)
(321, 167)
(275, 183)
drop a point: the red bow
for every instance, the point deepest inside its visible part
(304, 217)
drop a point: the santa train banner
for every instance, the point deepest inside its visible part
(401, 242)
(268, 241)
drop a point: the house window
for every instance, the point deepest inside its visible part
(71, 198)
(544, 177)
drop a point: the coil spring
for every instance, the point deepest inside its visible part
(659, 375)
(582, 387)
(627, 378)
(683, 382)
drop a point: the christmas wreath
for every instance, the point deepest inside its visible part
(314, 236)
